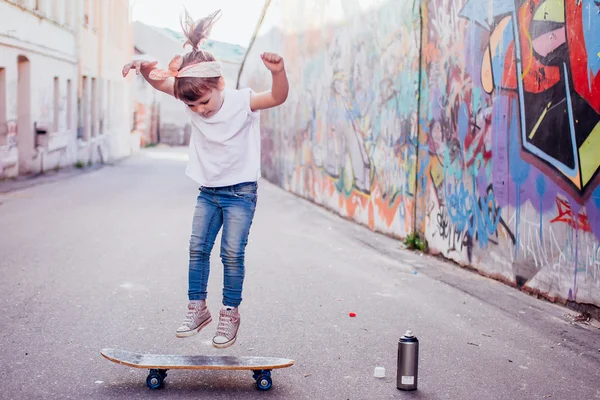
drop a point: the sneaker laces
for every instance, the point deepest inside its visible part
(226, 325)
(189, 318)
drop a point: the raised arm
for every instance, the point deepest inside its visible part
(279, 88)
(144, 68)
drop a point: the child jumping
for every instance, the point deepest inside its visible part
(224, 159)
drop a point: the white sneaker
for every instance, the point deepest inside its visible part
(197, 318)
(229, 322)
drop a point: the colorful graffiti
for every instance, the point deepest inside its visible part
(511, 118)
(512, 112)
(474, 122)
(546, 55)
(350, 136)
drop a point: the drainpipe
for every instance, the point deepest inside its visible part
(101, 136)
(417, 150)
(256, 29)
(77, 28)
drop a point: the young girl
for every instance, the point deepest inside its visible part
(224, 159)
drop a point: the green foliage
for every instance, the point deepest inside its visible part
(414, 241)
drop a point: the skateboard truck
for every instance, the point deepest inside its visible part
(156, 378)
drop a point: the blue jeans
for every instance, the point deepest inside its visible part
(231, 207)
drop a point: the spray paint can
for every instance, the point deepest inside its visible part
(408, 362)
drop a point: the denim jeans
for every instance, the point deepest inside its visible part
(230, 207)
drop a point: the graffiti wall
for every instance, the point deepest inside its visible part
(473, 122)
(346, 137)
(509, 124)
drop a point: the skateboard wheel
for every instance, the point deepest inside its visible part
(264, 382)
(155, 379)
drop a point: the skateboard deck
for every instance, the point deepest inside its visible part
(159, 364)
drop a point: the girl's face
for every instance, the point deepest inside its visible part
(209, 103)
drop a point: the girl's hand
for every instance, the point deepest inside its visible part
(273, 62)
(138, 65)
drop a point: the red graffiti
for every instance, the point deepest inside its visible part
(538, 77)
(565, 214)
(586, 82)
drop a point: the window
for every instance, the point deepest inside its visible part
(86, 13)
(69, 104)
(111, 12)
(90, 17)
(56, 15)
(3, 122)
(104, 92)
(56, 124)
(108, 103)
(96, 15)
(94, 108)
(68, 13)
(84, 114)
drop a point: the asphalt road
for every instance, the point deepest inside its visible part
(100, 260)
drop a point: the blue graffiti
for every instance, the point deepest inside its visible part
(591, 31)
(519, 169)
(422, 177)
(479, 217)
(480, 13)
(485, 218)
(540, 187)
(596, 197)
(456, 203)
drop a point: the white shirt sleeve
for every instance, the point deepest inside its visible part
(247, 92)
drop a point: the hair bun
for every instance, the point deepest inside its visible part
(197, 32)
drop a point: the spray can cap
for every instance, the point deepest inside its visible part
(408, 337)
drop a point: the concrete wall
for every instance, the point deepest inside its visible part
(31, 72)
(105, 44)
(50, 116)
(474, 123)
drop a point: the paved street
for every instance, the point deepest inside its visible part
(100, 260)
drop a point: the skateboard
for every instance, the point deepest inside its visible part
(159, 364)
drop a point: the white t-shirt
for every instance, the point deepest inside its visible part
(225, 147)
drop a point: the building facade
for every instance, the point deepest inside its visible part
(63, 99)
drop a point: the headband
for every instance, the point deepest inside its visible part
(206, 69)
